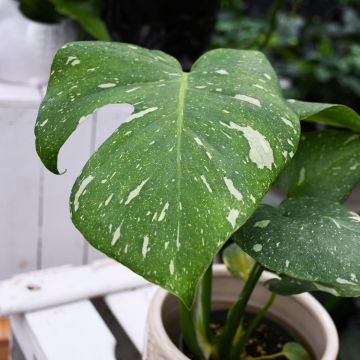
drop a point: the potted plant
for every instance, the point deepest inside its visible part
(185, 175)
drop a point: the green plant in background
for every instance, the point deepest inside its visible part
(85, 12)
(186, 173)
(311, 44)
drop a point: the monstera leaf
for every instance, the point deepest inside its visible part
(189, 166)
(313, 240)
(326, 164)
(330, 114)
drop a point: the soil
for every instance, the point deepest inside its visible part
(268, 338)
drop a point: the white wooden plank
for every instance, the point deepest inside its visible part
(73, 331)
(108, 119)
(62, 243)
(40, 289)
(19, 191)
(130, 309)
(19, 95)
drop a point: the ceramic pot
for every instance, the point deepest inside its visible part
(302, 314)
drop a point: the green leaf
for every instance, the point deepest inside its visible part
(309, 239)
(237, 261)
(326, 164)
(330, 114)
(87, 14)
(287, 285)
(39, 10)
(295, 351)
(170, 186)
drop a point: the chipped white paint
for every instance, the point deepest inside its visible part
(133, 89)
(248, 99)
(141, 113)
(257, 247)
(172, 267)
(232, 217)
(163, 212)
(145, 247)
(134, 193)
(287, 122)
(260, 150)
(81, 189)
(222, 72)
(262, 224)
(301, 176)
(106, 86)
(117, 234)
(232, 189)
(203, 178)
(107, 201)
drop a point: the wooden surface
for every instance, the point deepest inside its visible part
(4, 339)
(35, 227)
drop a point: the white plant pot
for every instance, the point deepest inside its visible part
(28, 47)
(301, 314)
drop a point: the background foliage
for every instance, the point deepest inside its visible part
(314, 45)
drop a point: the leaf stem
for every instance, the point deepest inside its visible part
(236, 313)
(188, 330)
(202, 314)
(238, 347)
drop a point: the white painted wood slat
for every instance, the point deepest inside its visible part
(72, 332)
(57, 286)
(130, 309)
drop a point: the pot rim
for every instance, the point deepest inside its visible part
(306, 300)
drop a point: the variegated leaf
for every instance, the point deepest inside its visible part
(186, 170)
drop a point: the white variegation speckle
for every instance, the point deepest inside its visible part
(260, 150)
(163, 212)
(172, 267)
(44, 122)
(232, 217)
(232, 189)
(117, 234)
(287, 262)
(267, 76)
(301, 176)
(141, 113)
(344, 281)
(287, 121)
(257, 247)
(134, 193)
(354, 217)
(203, 178)
(81, 189)
(133, 89)
(222, 72)
(248, 99)
(326, 289)
(200, 87)
(262, 224)
(145, 247)
(106, 86)
(198, 141)
(107, 201)
(178, 237)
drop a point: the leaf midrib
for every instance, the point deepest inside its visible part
(179, 129)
